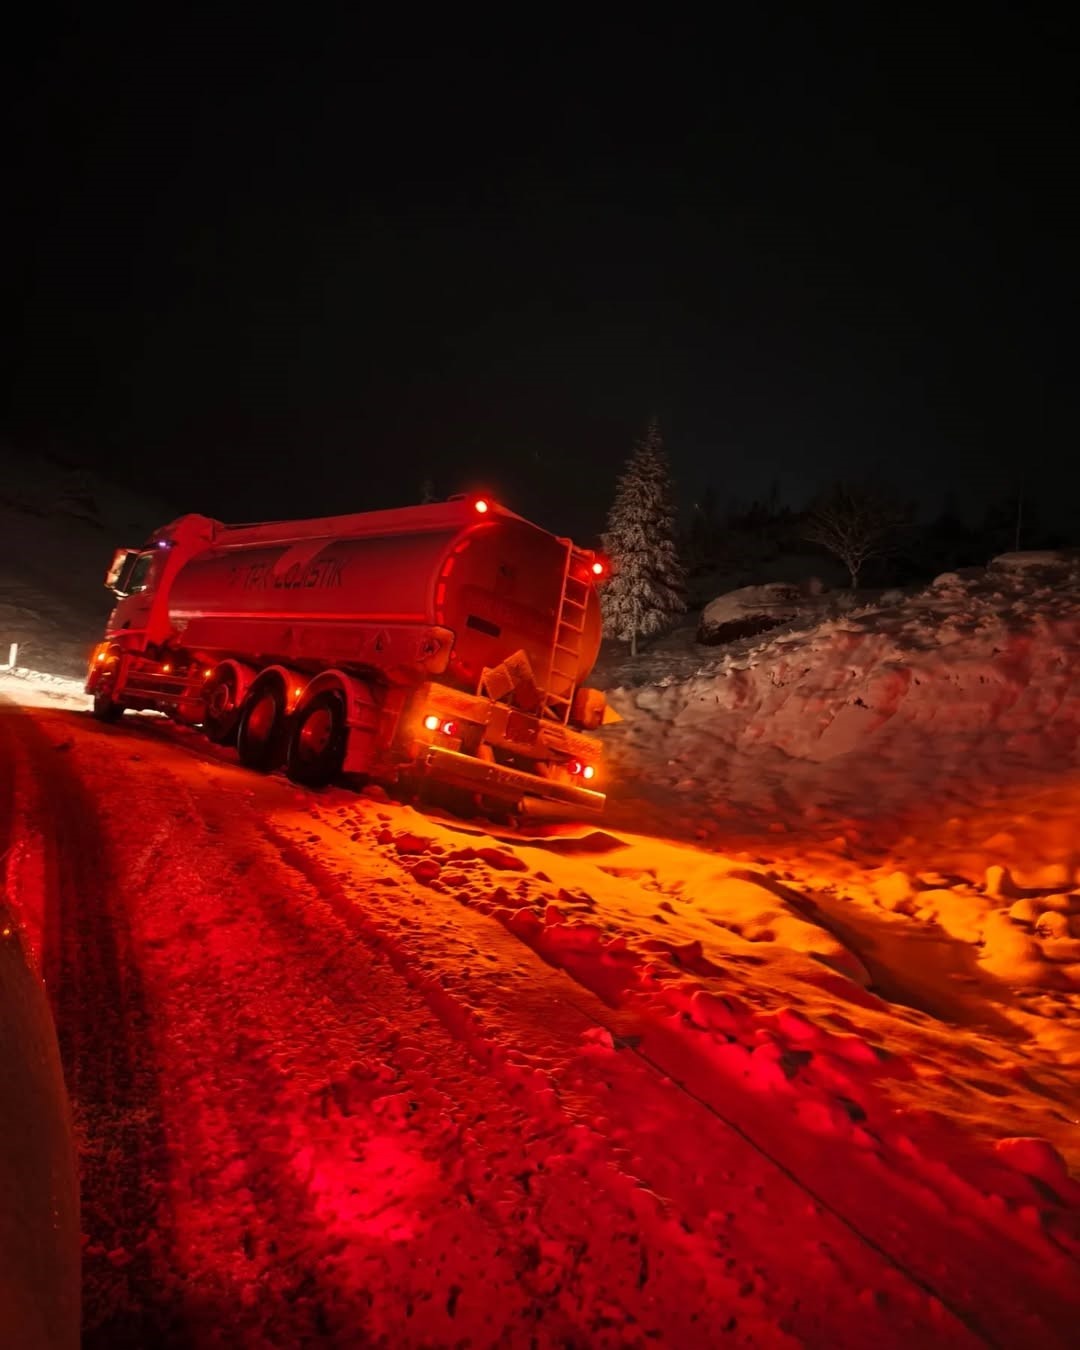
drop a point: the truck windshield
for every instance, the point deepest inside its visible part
(138, 578)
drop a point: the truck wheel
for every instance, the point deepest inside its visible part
(261, 735)
(317, 743)
(222, 716)
(106, 709)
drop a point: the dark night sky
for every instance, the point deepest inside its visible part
(285, 269)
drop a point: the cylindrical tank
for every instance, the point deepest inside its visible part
(300, 591)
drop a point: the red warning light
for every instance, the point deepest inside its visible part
(481, 505)
(598, 569)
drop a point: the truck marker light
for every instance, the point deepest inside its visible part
(166, 667)
(297, 692)
(101, 656)
(206, 674)
(481, 505)
(588, 771)
(449, 728)
(431, 722)
(598, 569)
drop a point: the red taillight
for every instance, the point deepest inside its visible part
(431, 722)
(598, 569)
(449, 728)
(481, 505)
(579, 770)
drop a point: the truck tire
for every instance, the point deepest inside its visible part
(317, 741)
(106, 709)
(260, 738)
(222, 716)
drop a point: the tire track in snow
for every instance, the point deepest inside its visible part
(583, 1201)
(626, 1030)
(103, 1029)
(497, 1200)
(877, 1206)
(880, 1209)
(321, 950)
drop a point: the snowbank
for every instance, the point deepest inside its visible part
(752, 609)
(935, 740)
(930, 676)
(35, 689)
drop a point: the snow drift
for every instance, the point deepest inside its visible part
(924, 679)
(932, 739)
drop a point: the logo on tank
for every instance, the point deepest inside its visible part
(322, 575)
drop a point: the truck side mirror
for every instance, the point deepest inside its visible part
(120, 570)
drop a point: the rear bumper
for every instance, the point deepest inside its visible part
(495, 780)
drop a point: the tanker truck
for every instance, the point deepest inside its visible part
(446, 643)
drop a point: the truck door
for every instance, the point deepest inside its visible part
(134, 590)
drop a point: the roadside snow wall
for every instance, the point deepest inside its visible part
(975, 673)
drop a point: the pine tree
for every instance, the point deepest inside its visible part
(646, 591)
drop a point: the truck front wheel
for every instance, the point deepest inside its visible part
(106, 709)
(317, 743)
(222, 715)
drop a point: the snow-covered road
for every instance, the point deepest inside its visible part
(347, 1074)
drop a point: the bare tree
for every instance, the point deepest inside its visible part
(855, 524)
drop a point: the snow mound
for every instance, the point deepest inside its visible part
(947, 720)
(1054, 559)
(932, 674)
(750, 610)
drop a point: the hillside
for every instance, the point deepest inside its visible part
(59, 526)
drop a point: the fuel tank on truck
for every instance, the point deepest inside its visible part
(317, 593)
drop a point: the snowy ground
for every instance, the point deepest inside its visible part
(785, 1052)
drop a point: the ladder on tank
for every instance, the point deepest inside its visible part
(559, 688)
